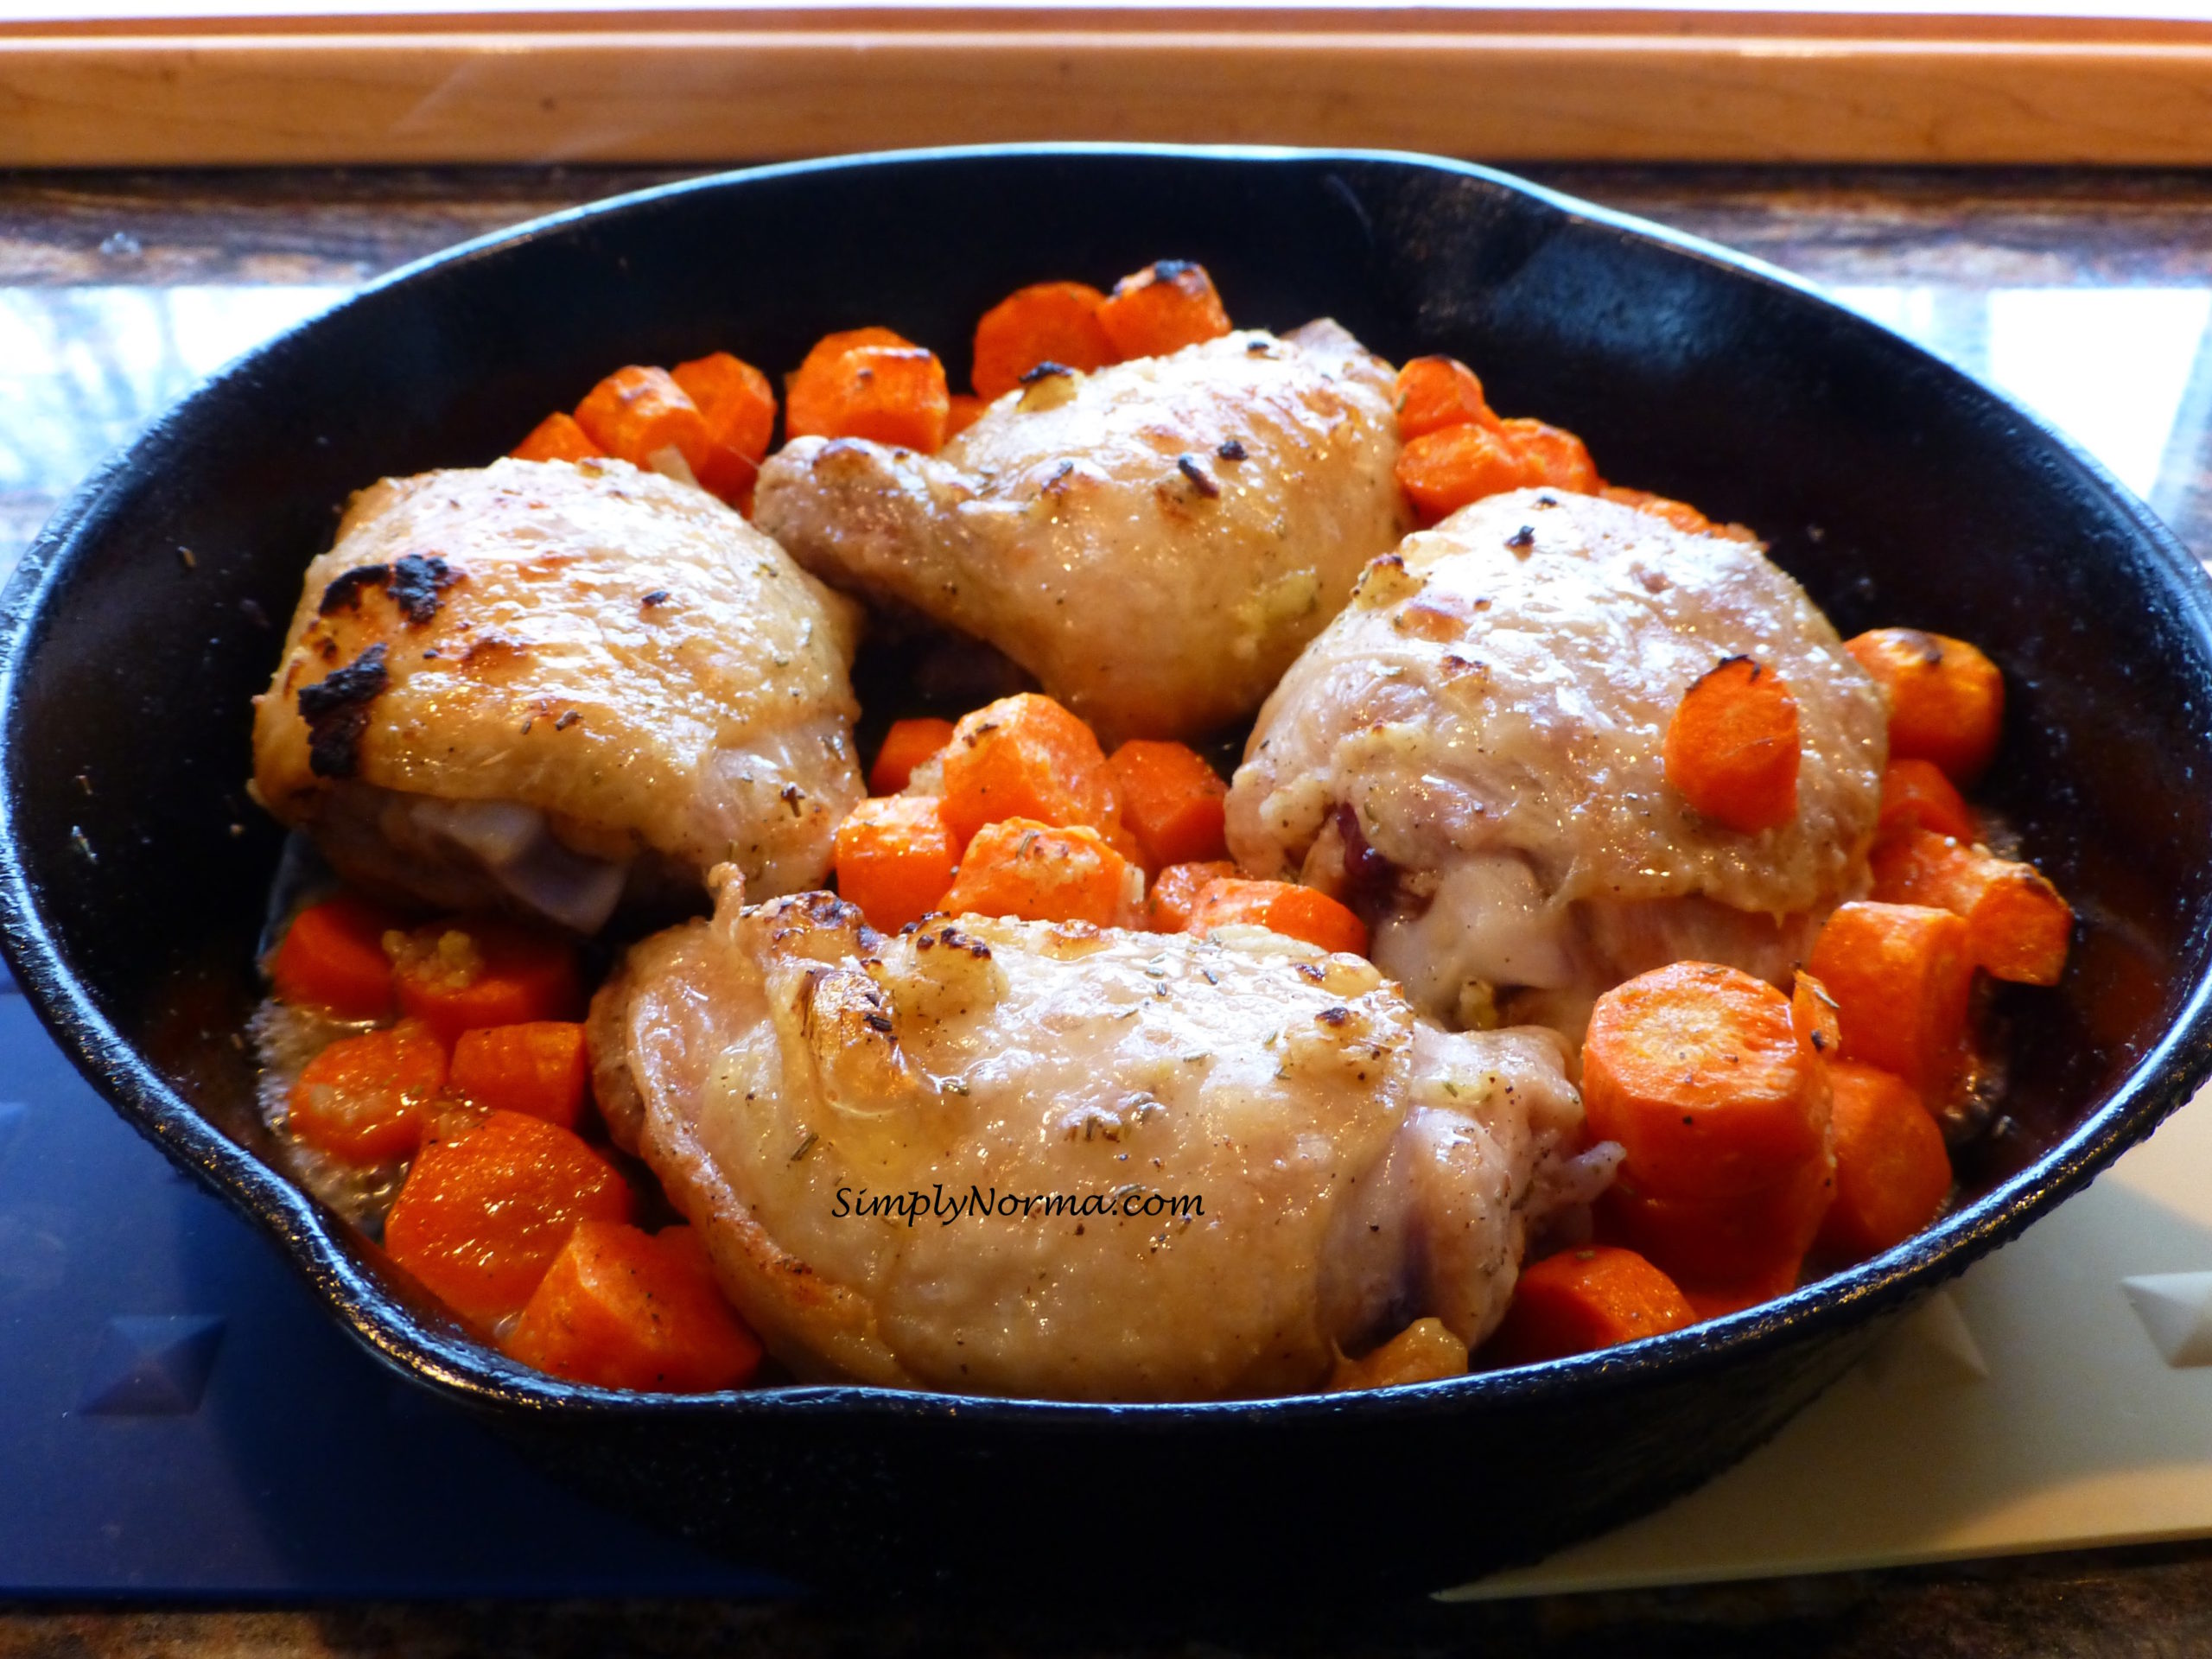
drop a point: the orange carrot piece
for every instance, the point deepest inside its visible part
(869, 382)
(1892, 1171)
(895, 859)
(1282, 907)
(1698, 1071)
(1026, 757)
(740, 407)
(1041, 873)
(482, 1217)
(2017, 927)
(1947, 699)
(1553, 455)
(475, 971)
(1748, 1239)
(1901, 976)
(1580, 1301)
(1732, 750)
(636, 413)
(1436, 392)
(961, 412)
(620, 1308)
(1171, 801)
(1683, 516)
(1175, 893)
(1162, 309)
(1716, 1301)
(1916, 795)
(333, 959)
(905, 746)
(1447, 469)
(805, 386)
(1813, 1013)
(539, 1068)
(557, 437)
(364, 1099)
(1045, 322)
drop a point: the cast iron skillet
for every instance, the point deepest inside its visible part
(134, 870)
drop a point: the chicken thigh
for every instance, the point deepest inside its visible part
(1471, 755)
(539, 686)
(1060, 1161)
(1154, 541)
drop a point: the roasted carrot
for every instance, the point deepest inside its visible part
(1424, 1351)
(1901, 976)
(1042, 873)
(1947, 699)
(365, 1099)
(905, 746)
(1162, 309)
(892, 395)
(620, 1308)
(1447, 469)
(639, 414)
(1812, 1012)
(333, 959)
(809, 389)
(475, 971)
(539, 1068)
(482, 1217)
(740, 406)
(1583, 1299)
(1045, 322)
(1683, 516)
(1171, 802)
(895, 859)
(1733, 749)
(1553, 455)
(1916, 795)
(962, 411)
(2017, 927)
(1282, 907)
(1175, 892)
(557, 437)
(1892, 1172)
(1715, 1301)
(1435, 392)
(1698, 1071)
(1026, 757)
(1747, 1238)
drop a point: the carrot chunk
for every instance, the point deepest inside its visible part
(1946, 700)
(1162, 309)
(1812, 1012)
(1435, 392)
(1041, 873)
(365, 1099)
(482, 1215)
(905, 746)
(557, 437)
(961, 412)
(1045, 322)
(1175, 893)
(1026, 757)
(1424, 1351)
(895, 859)
(1698, 1071)
(1892, 1172)
(1747, 1238)
(638, 414)
(539, 1068)
(1916, 795)
(1171, 802)
(1901, 976)
(1732, 750)
(1553, 455)
(1713, 1301)
(869, 382)
(1282, 907)
(475, 971)
(333, 959)
(2017, 927)
(1580, 1301)
(740, 407)
(620, 1308)
(1683, 516)
(1447, 469)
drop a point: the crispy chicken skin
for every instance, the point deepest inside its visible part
(538, 685)
(784, 1069)
(1153, 542)
(1472, 754)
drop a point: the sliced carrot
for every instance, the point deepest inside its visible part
(482, 1217)
(1435, 392)
(1732, 750)
(1916, 795)
(1901, 976)
(539, 1068)
(1162, 309)
(1424, 1351)
(364, 1099)
(1947, 699)
(2017, 927)
(1041, 873)
(961, 412)
(1683, 516)
(1447, 469)
(807, 388)
(557, 437)
(1175, 892)
(1748, 1239)
(333, 959)
(1580, 1301)
(868, 383)
(1716, 1301)
(1892, 1171)
(905, 746)
(740, 406)
(1282, 907)
(475, 971)
(1698, 1071)
(620, 1308)
(1812, 1012)
(637, 413)
(1171, 801)
(1553, 455)
(1026, 757)
(1045, 322)
(895, 859)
